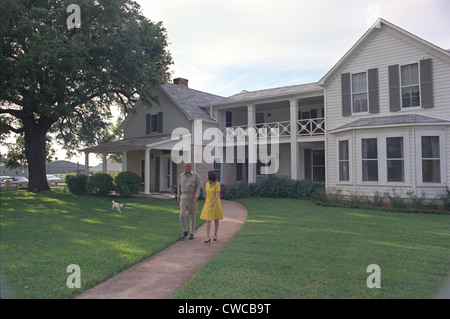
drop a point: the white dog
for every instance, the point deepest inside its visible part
(116, 206)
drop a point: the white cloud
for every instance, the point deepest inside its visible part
(226, 46)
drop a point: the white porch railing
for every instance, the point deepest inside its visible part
(309, 127)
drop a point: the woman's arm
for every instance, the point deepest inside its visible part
(215, 199)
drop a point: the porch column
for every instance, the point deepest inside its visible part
(147, 172)
(124, 161)
(252, 143)
(104, 164)
(86, 163)
(294, 146)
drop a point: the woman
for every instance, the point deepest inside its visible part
(212, 209)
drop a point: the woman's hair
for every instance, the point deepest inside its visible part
(212, 176)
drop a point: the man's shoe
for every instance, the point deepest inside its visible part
(191, 236)
(184, 235)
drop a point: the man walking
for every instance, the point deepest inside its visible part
(188, 191)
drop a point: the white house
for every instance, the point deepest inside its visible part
(378, 120)
(389, 98)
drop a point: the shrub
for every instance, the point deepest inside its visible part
(100, 183)
(76, 183)
(127, 183)
(275, 187)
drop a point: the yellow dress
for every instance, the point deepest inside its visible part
(208, 212)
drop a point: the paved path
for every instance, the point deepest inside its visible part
(162, 275)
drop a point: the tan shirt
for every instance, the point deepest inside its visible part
(188, 186)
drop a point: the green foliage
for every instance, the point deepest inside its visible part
(59, 80)
(76, 184)
(274, 187)
(100, 183)
(127, 183)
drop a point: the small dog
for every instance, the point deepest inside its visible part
(116, 206)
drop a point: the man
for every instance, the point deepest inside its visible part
(188, 191)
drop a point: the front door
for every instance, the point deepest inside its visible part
(165, 174)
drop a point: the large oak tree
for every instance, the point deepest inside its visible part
(58, 78)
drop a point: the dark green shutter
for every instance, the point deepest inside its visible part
(147, 123)
(374, 104)
(426, 83)
(308, 163)
(174, 174)
(160, 122)
(394, 88)
(346, 90)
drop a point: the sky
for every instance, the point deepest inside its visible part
(224, 47)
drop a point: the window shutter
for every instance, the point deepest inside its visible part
(394, 88)
(147, 123)
(426, 83)
(346, 94)
(374, 104)
(160, 122)
(174, 173)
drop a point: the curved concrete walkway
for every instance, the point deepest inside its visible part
(162, 275)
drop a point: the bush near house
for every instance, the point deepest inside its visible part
(100, 183)
(274, 187)
(127, 183)
(76, 183)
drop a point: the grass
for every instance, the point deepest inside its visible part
(291, 248)
(43, 233)
(287, 248)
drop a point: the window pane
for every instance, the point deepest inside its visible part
(430, 147)
(394, 147)
(410, 74)
(344, 171)
(395, 171)
(370, 170)
(431, 171)
(369, 148)
(406, 97)
(415, 98)
(360, 102)
(359, 82)
(343, 150)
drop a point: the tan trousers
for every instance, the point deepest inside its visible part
(191, 208)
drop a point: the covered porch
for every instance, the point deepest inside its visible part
(149, 157)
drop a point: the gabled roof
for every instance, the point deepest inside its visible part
(402, 119)
(189, 100)
(378, 25)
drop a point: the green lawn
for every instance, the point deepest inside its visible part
(43, 233)
(286, 249)
(294, 249)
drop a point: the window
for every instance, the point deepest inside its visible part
(239, 172)
(359, 92)
(344, 161)
(154, 123)
(228, 119)
(395, 159)
(369, 157)
(410, 85)
(217, 167)
(431, 163)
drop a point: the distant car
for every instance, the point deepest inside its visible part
(52, 179)
(20, 182)
(5, 182)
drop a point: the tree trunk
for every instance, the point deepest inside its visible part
(36, 154)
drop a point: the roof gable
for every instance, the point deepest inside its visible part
(369, 35)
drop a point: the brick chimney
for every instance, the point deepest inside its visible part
(181, 81)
